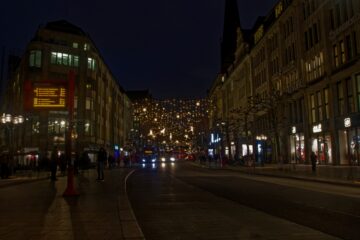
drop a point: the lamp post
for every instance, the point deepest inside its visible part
(11, 122)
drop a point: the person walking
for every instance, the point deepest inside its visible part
(101, 159)
(54, 160)
(313, 159)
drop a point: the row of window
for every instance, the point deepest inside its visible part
(312, 36)
(59, 58)
(314, 68)
(341, 13)
(345, 51)
(259, 78)
(319, 105)
(309, 7)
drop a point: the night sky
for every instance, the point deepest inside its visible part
(171, 47)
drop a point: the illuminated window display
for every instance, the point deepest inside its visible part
(321, 146)
(297, 143)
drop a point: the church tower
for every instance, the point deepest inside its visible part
(228, 43)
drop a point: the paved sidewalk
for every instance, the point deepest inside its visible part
(341, 175)
(37, 210)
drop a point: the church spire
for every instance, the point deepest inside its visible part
(228, 43)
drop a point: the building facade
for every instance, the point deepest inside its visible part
(303, 73)
(102, 110)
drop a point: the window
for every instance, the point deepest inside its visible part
(358, 90)
(340, 98)
(348, 47)
(88, 103)
(332, 21)
(319, 103)
(306, 41)
(349, 93)
(354, 43)
(64, 59)
(313, 110)
(75, 45)
(336, 55)
(316, 34)
(86, 47)
(345, 11)
(337, 12)
(342, 48)
(35, 58)
(91, 63)
(326, 103)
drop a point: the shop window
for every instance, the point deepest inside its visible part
(340, 98)
(35, 58)
(350, 99)
(326, 103)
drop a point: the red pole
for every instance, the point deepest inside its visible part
(70, 190)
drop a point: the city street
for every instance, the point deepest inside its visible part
(181, 201)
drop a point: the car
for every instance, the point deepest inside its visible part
(148, 158)
(167, 158)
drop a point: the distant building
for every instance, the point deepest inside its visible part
(102, 110)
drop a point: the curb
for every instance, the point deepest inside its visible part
(23, 181)
(128, 221)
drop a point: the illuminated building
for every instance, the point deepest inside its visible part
(300, 69)
(38, 91)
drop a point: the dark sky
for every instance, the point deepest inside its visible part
(171, 47)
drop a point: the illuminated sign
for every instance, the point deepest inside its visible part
(317, 128)
(347, 122)
(49, 97)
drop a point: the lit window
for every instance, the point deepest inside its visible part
(75, 45)
(88, 104)
(86, 46)
(91, 63)
(64, 59)
(35, 58)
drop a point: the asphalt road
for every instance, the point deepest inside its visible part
(180, 201)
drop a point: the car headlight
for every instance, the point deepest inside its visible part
(153, 160)
(163, 159)
(172, 159)
(144, 160)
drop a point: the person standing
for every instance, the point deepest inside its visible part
(101, 159)
(54, 159)
(313, 159)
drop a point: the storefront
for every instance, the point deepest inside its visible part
(349, 140)
(297, 145)
(321, 144)
(261, 150)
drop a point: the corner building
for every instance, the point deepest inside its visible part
(307, 51)
(102, 110)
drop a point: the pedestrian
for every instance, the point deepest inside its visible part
(313, 159)
(101, 159)
(54, 160)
